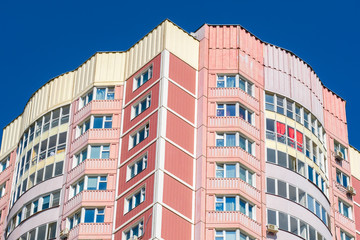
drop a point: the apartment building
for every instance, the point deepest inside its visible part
(209, 135)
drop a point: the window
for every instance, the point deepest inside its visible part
(280, 105)
(345, 209)
(340, 148)
(46, 202)
(97, 93)
(2, 190)
(74, 220)
(225, 203)
(345, 236)
(4, 163)
(99, 152)
(95, 152)
(234, 109)
(137, 167)
(298, 114)
(95, 122)
(139, 136)
(231, 235)
(306, 119)
(96, 183)
(235, 203)
(270, 129)
(225, 170)
(95, 215)
(141, 106)
(342, 178)
(134, 200)
(102, 122)
(232, 81)
(77, 188)
(142, 78)
(136, 230)
(289, 108)
(269, 102)
(234, 140)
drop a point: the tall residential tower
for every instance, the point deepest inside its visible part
(213, 135)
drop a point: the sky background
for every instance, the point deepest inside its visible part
(40, 40)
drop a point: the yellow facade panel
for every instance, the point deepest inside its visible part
(109, 68)
(355, 162)
(11, 135)
(84, 77)
(60, 91)
(182, 44)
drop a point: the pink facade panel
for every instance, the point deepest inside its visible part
(277, 82)
(122, 214)
(129, 92)
(179, 163)
(180, 132)
(146, 218)
(182, 73)
(124, 181)
(127, 151)
(186, 106)
(174, 227)
(129, 120)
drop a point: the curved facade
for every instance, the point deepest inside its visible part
(108, 151)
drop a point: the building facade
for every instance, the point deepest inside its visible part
(209, 135)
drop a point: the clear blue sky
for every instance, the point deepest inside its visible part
(42, 39)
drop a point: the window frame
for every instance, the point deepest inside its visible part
(135, 165)
(131, 200)
(136, 108)
(138, 80)
(134, 142)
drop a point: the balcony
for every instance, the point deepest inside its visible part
(4, 175)
(231, 184)
(234, 93)
(90, 198)
(234, 122)
(98, 105)
(97, 165)
(235, 217)
(346, 222)
(91, 231)
(233, 152)
(103, 134)
(4, 200)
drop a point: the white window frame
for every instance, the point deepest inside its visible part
(343, 235)
(342, 204)
(4, 164)
(134, 165)
(248, 86)
(136, 108)
(249, 115)
(221, 233)
(132, 200)
(249, 144)
(342, 175)
(81, 128)
(84, 100)
(238, 198)
(136, 135)
(139, 80)
(338, 147)
(249, 174)
(130, 230)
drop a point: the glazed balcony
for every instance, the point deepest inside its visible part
(218, 217)
(346, 222)
(96, 165)
(234, 93)
(234, 122)
(103, 134)
(98, 105)
(233, 184)
(91, 231)
(90, 198)
(233, 152)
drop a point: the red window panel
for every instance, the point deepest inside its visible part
(299, 139)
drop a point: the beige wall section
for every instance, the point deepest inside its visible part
(11, 135)
(354, 162)
(103, 68)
